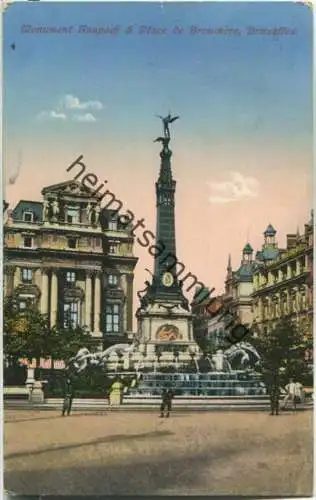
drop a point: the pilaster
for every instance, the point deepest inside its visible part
(88, 297)
(45, 291)
(54, 298)
(97, 301)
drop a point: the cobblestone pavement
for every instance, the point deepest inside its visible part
(129, 453)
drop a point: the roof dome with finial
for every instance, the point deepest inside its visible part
(270, 231)
(247, 249)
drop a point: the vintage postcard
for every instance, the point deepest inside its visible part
(158, 236)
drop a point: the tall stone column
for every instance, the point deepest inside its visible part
(125, 304)
(88, 297)
(260, 309)
(294, 299)
(54, 298)
(38, 277)
(288, 301)
(44, 290)
(306, 263)
(16, 278)
(97, 302)
(9, 273)
(129, 301)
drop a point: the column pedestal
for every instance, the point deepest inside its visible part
(37, 394)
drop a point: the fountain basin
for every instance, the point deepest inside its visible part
(220, 384)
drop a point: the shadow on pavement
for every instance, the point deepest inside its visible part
(148, 477)
(107, 439)
(192, 474)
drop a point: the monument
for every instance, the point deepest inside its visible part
(164, 351)
(164, 320)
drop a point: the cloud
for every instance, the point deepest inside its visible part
(51, 115)
(87, 118)
(239, 188)
(69, 101)
(67, 105)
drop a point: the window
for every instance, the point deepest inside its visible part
(112, 279)
(70, 277)
(28, 216)
(27, 242)
(112, 318)
(113, 225)
(71, 314)
(27, 275)
(112, 248)
(72, 215)
(72, 243)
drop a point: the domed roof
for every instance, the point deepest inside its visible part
(270, 231)
(245, 272)
(248, 249)
(267, 253)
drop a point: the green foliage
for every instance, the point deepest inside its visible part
(282, 351)
(66, 342)
(26, 333)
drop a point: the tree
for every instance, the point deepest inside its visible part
(66, 341)
(26, 332)
(282, 351)
(27, 335)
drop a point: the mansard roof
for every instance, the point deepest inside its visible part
(246, 271)
(28, 206)
(268, 253)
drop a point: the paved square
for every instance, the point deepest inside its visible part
(139, 453)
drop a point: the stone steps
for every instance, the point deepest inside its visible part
(149, 404)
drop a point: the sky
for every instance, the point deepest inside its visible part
(242, 148)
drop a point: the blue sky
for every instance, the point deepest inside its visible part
(220, 84)
(242, 148)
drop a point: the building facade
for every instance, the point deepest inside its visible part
(239, 287)
(276, 283)
(283, 286)
(73, 259)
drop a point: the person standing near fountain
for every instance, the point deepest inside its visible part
(166, 403)
(273, 386)
(293, 394)
(68, 398)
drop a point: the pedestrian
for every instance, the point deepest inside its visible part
(273, 386)
(293, 393)
(274, 399)
(68, 398)
(166, 403)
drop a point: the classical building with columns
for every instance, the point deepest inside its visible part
(73, 259)
(283, 286)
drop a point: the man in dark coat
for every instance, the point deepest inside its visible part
(274, 399)
(273, 385)
(68, 397)
(167, 396)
